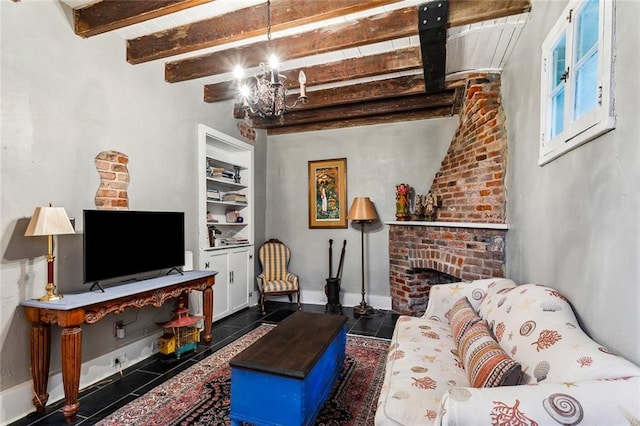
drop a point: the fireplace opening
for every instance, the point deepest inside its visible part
(412, 297)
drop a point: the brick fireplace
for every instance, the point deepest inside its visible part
(467, 239)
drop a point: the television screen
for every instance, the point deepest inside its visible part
(119, 243)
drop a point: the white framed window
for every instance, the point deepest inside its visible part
(576, 89)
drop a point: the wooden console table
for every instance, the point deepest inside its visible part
(90, 307)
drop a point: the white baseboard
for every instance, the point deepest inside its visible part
(317, 297)
(15, 402)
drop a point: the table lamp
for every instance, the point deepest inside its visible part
(362, 212)
(49, 221)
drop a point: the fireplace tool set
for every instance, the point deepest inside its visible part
(332, 287)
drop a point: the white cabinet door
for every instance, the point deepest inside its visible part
(240, 261)
(219, 261)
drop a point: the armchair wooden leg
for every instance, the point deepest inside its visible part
(262, 302)
(298, 298)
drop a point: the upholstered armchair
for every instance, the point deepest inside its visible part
(275, 280)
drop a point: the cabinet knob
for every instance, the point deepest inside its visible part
(250, 256)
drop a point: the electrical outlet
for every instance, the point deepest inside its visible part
(119, 361)
(154, 347)
(116, 326)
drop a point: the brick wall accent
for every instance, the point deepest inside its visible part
(417, 252)
(470, 182)
(114, 180)
(470, 185)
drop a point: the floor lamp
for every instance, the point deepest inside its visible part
(362, 212)
(49, 221)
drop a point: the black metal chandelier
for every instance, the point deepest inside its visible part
(266, 97)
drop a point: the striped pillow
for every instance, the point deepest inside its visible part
(486, 363)
(461, 316)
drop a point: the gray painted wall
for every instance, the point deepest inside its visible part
(574, 222)
(64, 100)
(378, 158)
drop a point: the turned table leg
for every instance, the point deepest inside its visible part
(71, 346)
(207, 308)
(40, 347)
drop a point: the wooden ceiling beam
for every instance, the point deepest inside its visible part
(355, 93)
(361, 109)
(405, 59)
(358, 93)
(104, 16)
(465, 12)
(239, 25)
(382, 27)
(392, 117)
(366, 92)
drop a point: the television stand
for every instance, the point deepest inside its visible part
(96, 284)
(90, 307)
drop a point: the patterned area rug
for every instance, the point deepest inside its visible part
(200, 394)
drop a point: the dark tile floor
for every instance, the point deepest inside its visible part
(103, 398)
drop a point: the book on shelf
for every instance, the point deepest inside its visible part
(214, 194)
(232, 241)
(234, 196)
(219, 173)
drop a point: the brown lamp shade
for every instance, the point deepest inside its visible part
(49, 221)
(362, 210)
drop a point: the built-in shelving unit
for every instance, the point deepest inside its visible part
(225, 194)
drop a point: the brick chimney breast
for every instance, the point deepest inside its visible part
(467, 241)
(470, 181)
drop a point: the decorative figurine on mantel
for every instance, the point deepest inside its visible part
(425, 207)
(402, 201)
(418, 208)
(430, 203)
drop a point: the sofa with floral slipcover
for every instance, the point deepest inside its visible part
(488, 352)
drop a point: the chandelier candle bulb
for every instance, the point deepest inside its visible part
(302, 78)
(273, 64)
(238, 73)
(244, 92)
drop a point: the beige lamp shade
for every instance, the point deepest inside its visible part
(362, 210)
(49, 221)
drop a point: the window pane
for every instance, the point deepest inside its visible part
(557, 113)
(586, 89)
(559, 53)
(587, 35)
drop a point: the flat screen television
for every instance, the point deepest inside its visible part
(123, 243)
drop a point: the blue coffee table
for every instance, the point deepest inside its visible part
(285, 377)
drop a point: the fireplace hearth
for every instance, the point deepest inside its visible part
(423, 254)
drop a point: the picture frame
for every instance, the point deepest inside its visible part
(328, 193)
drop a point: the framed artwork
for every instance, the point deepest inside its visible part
(328, 193)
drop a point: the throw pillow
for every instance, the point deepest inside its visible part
(461, 316)
(486, 363)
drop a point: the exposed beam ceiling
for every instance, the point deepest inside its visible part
(362, 58)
